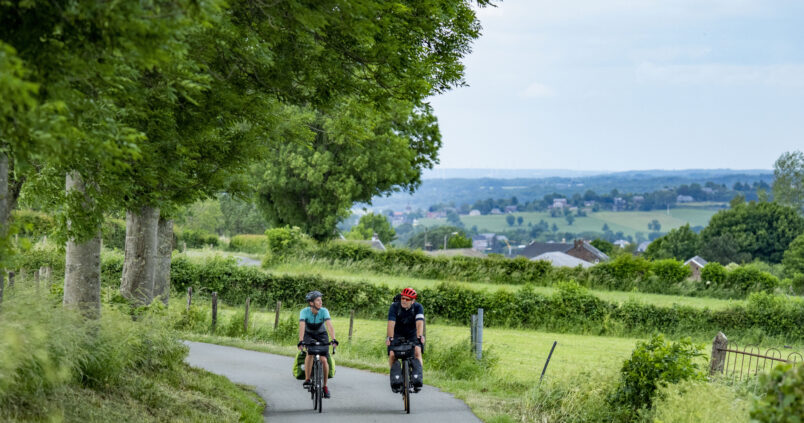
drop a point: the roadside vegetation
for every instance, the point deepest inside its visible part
(57, 366)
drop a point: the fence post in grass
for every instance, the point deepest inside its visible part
(11, 279)
(479, 336)
(718, 358)
(276, 319)
(245, 321)
(547, 362)
(351, 323)
(214, 310)
(2, 285)
(36, 279)
(189, 297)
(473, 333)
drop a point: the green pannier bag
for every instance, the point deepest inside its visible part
(298, 366)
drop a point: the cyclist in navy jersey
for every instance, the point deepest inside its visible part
(406, 320)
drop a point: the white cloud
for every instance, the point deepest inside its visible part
(537, 90)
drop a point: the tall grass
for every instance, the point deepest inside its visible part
(53, 363)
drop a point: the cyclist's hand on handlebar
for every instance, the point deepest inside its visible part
(334, 342)
(421, 339)
(388, 340)
(300, 345)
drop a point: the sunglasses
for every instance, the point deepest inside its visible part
(407, 299)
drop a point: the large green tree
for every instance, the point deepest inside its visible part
(356, 153)
(680, 244)
(751, 231)
(788, 184)
(371, 131)
(371, 224)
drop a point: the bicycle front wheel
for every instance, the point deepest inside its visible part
(406, 385)
(314, 385)
(319, 385)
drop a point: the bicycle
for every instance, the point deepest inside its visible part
(317, 373)
(404, 351)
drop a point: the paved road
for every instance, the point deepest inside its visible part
(247, 261)
(357, 395)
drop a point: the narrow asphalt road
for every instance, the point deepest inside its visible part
(357, 395)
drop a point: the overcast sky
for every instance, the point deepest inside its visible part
(622, 85)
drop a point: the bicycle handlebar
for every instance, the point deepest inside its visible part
(319, 344)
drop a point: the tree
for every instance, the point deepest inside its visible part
(87, 68)
(371, 224)
(569, 218)
(454, 219)
(751, 231)
(459, 241)
(603, 245)
(510, 219)
(680, 244)
(788, 184)
(370, 131)
(554, 228)
(654, 225)
(794, 256)
(606, 227)
(519, 220)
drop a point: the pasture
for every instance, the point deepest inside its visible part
(629, 222)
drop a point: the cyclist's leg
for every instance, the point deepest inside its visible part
(308, 364)
(325, 368)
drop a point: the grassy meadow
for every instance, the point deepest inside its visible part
(355, 275)
(629, 222)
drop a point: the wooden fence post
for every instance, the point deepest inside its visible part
(214, 310)
(189, 297)
(276, 319)
(351, 324)
(36, 279)
(11, 279)
(245, 321)
(479, 336)
(473, 333)
(718, 358)
(2, 285)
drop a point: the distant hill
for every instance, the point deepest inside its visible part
(455, 185)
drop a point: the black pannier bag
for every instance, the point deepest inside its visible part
(317, 349)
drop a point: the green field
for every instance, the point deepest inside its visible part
(354, 275)
(629, 222)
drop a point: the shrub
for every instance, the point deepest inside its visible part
(748, 278)
(114, 233)
(653, 364)
(32, 224)
(196, 239)
(783, 398)
(715, 273)
(255, 244)
(694, 401)
(285, 242)
(457, 360)
(670, 271)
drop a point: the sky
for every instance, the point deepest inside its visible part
(618, 85)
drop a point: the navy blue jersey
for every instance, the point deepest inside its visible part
(405, 319)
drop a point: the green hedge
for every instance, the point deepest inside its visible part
(196, 239)
(624, 273)
(570, 309)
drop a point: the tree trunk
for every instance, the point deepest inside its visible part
(163, 251)
(139, 266)
(82, 266)
(5, 204)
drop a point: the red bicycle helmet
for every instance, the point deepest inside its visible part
(409, 292)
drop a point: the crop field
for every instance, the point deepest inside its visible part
(629, 222)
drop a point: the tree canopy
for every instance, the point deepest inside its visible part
(788, 186)
(371, 224)
(751, 231)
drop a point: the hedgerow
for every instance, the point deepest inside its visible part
(570, 309)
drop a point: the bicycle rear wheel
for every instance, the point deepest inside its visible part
(406, 385)
(314, 384)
